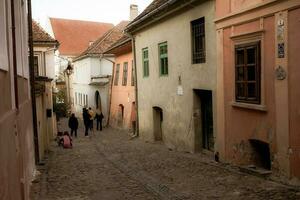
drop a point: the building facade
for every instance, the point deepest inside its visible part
(16, 124)
(176, 73)
(93, 74)
(44, 47)
(258, 92)
(73, 43)
(122, 107)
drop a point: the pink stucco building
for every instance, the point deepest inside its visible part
(122, 108)
(258, 91)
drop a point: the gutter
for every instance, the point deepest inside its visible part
(135, 83)
(111, 86)
(32, 83)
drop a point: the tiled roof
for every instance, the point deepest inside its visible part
(102, 44)
(155, 9)
(154, 5)
(125, 40)
(40, 35)
(75, 35)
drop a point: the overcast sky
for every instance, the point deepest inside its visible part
(112, 11)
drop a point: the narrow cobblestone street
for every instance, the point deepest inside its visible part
(110, 166)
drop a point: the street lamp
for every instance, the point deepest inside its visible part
(69, 71)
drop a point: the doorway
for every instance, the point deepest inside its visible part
(203, 120)
(157, 123)
(261, 154)
(120, 115)
(98, 100)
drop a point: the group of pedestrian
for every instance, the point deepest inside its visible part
(88, 118)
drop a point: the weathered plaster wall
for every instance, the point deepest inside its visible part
(243, 124)
(274, 121)
(124, 95)
(294, 89)
(161, 91)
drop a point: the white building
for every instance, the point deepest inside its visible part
(72, 44)
(93, 72)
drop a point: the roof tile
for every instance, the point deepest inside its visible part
(102, 44)
(75, 35)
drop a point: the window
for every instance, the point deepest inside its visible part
(3, 37)
(198, 40)
(125, 73)
(76, 98)
(247, 73)
(145, 62)
(163, 58)
(86, 100)
(132, 74)
(36, 65)
(117, 74)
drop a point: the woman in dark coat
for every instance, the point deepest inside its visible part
(73, 124)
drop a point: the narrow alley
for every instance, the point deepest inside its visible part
(111, 166)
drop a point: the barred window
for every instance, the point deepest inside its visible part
(198, 40)
(247, 73)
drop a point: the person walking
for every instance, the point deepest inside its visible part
(99, 117)
(133, 119)
(92, 116)
(73, 125)
(86, 120)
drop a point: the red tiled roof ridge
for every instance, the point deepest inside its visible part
(80, 20)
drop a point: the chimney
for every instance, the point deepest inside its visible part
(134, 11)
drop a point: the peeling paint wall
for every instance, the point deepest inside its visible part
(162, 91)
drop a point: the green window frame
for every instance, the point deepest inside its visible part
(163, 59)
(117, 74)
(125, 73)
(145, 56)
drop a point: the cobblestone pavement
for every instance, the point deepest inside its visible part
(110, 166)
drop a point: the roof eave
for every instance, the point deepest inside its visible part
(117, 46)
(147, 20)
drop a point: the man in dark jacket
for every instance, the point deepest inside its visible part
(99, 117)
(73, 124)
(86, 120)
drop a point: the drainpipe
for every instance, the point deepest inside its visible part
(32, 83)
(15, 70)
(135, 83)
(111, 85)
